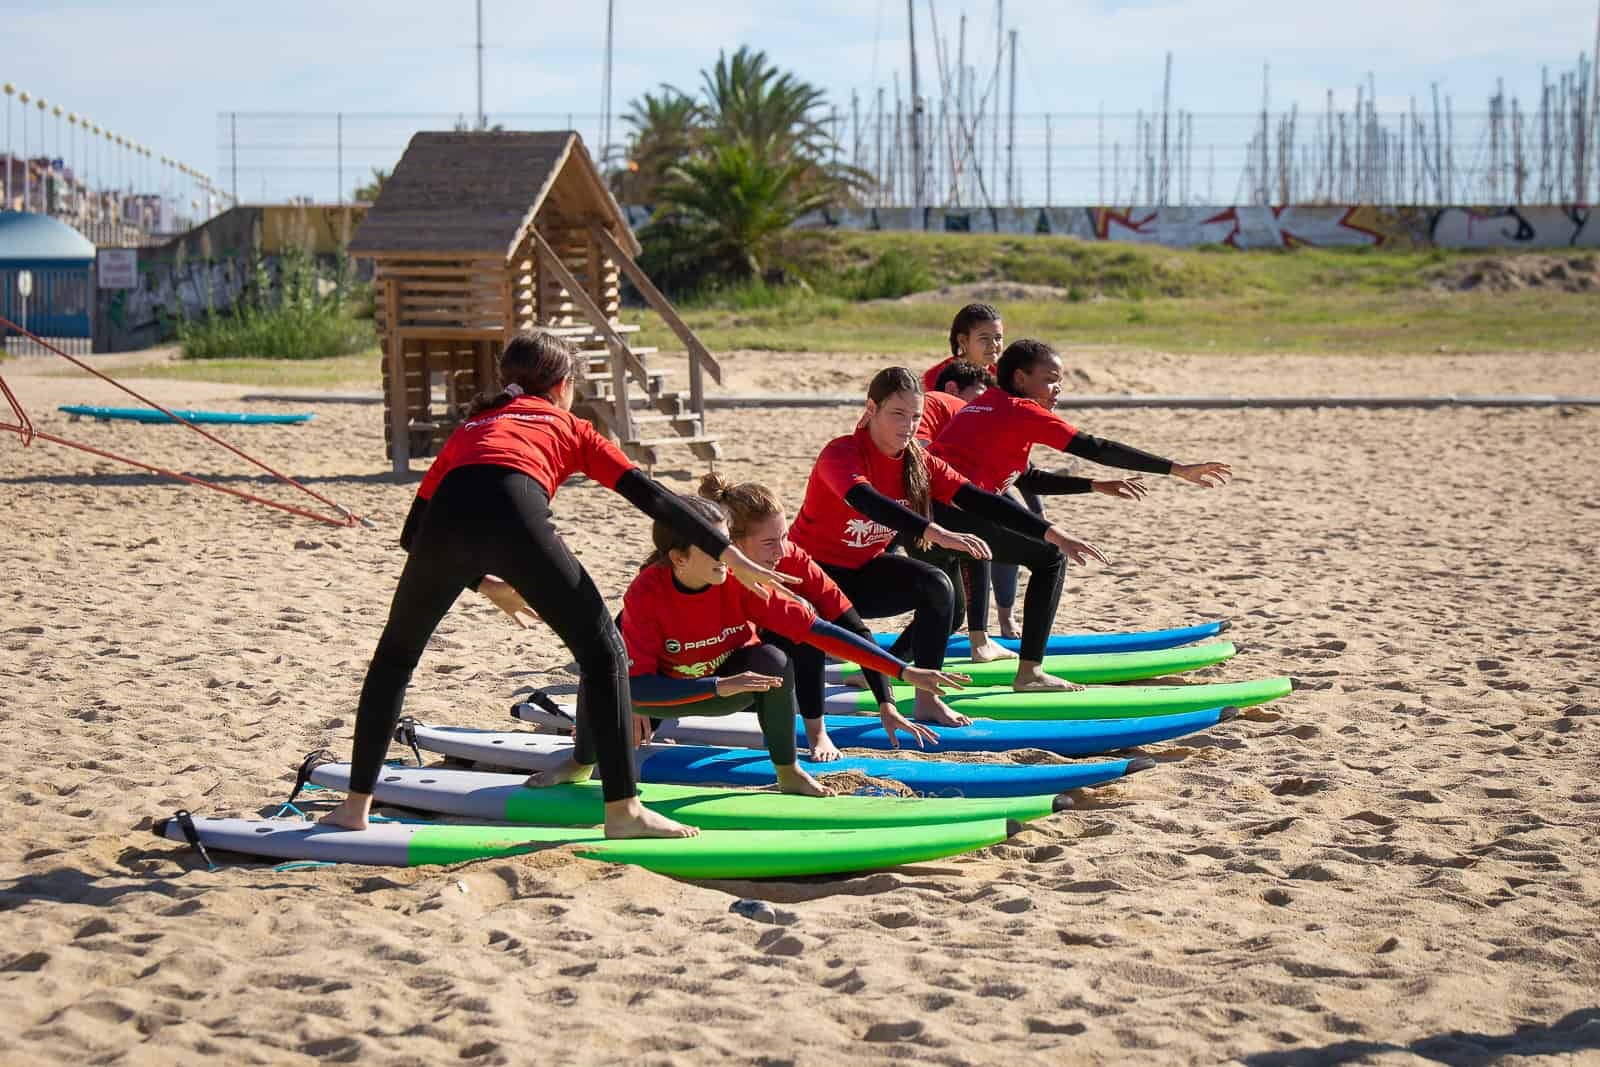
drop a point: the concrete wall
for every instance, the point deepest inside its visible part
(208, 268)
(1561, 226)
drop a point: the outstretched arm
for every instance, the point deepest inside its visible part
(656, 501)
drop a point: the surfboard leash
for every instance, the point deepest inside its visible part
(24, 428)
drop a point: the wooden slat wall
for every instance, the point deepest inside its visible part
(437, 299)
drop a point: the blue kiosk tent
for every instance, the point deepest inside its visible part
(59, 263)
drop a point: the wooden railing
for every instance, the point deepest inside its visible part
(701, 361)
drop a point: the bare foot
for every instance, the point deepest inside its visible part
(824, 750)
(568, 771)
(985, 650)
(930, 708)
(1008, 623)
(1032, 679)
(629, 818)
(793, 779)
(856, 679)
(351, 814)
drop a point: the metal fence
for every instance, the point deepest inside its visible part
(58, 307)
(1421, 156)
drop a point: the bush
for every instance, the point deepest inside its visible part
(302, 316)
(894, 274)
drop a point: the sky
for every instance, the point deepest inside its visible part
(161, 72)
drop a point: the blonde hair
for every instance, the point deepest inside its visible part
(746, 503)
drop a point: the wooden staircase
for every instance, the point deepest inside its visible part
(619, 389)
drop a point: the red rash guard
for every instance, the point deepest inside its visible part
(815, 587)
(937, 409)
(835, 533)
(688, 635)
(930, 377)
(533, 436)
(989, 439)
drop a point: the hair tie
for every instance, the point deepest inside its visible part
(513, 390)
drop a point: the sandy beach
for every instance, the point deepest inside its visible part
(1394, 865)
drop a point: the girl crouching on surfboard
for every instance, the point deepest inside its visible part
(484, 507)
(694, 649)
(877, 484)
(989, 440)
(760, 529)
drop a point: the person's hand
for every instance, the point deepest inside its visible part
(508, 600)
(976, 547)
(931, 681)
(751, 574)
(893, 721)
(643, 731)
(1076, 551)
(747, 682)
(1127, 489)
(1206, 475)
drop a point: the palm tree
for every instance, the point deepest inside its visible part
(665, 131)
(746, 98)
(732, 199)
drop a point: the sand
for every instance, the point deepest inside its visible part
(1395, 865)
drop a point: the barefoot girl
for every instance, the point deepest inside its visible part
(759, 528)
(878, 483)
(693, 646)
(990, 438)
(484, 507)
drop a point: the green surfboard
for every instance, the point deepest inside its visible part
(490, 797)
(1105, 702)
(711, 854)
(1097, 668)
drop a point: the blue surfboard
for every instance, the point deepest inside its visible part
(1077, 644)
(244, 418)
(706, 765)
(1070, 737)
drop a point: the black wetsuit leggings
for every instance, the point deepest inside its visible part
(775, 708)
(494, 520)
(892, 585)
(811, 666)
(1047, 570)
(979, 576)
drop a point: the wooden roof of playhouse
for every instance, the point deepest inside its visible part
(460, 264)
(478, 193)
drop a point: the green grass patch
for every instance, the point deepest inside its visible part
(359, 371)
(1316, 321)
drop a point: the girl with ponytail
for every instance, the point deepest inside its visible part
(989, 441)
(877, 484)
(698, 644)
(758, 526)
(484, 507)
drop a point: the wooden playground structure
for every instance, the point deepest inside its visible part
(478, 235)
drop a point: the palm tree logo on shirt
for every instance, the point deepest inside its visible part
(864, 533)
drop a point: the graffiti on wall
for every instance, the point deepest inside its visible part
(1244, 226)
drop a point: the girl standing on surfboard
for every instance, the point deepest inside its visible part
(694, 647)
(760, 529)
(989, 441)
(484, 507)
(877, 483)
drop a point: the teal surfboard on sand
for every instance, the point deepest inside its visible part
(1093, 669)
(243, 418)
(710, 854)
(480, 795)
(1102, 702)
